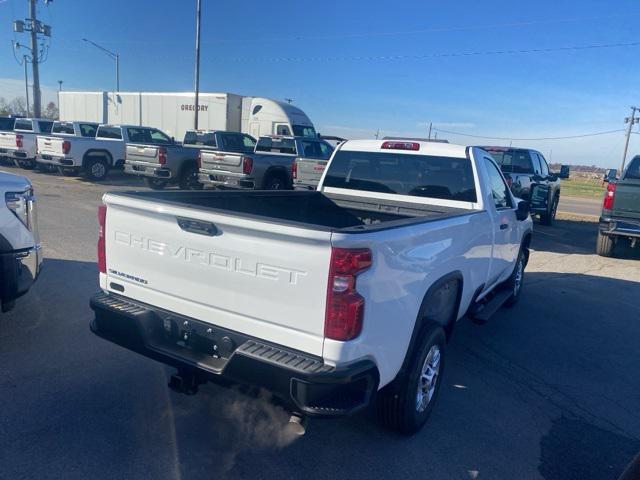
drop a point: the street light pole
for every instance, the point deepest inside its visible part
(113, 55)
(197, 73)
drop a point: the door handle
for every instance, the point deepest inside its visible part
(197, 226)
(504, 226)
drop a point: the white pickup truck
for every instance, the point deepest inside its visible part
(20, 254)
(90, 156)
(326, 298)
(53, 148)
(20, 144)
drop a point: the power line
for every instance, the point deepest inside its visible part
(568, 137)
(434, 55)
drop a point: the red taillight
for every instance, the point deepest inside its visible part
(294, 169)
(199, 159)
(19, 140)
(247, 165)
(162, 156)
(609, 196)
(66, 147)
(400, 146)
(102, 254)
(345, 306)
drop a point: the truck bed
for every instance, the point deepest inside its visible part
(310, 209)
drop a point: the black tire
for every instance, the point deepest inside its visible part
(96, 168)
(189, 179)
(276, 181)
(605, 245)
(155, 183)
(398, 405)
(550, 217)
(515, 281)
(26, 164)
(67, 172)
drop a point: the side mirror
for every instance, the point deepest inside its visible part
(522, 212)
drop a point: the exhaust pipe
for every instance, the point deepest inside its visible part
(297, 425)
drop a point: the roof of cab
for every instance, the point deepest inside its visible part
(425, 148)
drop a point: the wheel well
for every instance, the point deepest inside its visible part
(97, 153)
(276, 172)
(434, 310)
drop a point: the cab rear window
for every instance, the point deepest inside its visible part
(109, 132)
(445, 178)
(65, 128)
(276, 145)
(512, 160)
(6, 124)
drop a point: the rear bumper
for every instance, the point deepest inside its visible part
(14, 153)
(623, 227)
(305, 185)
(302, 382)
(67, 162)
(219, 178)
(19, 270)
(146, 170)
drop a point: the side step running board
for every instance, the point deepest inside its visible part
(483, 311)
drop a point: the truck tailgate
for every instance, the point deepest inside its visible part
(50, 146)
(261, 279)
(627, 199)
(310, 170)
(8, 140)
(211, 160)
(142, 153)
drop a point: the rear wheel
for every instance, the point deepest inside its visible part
(605, 245)
(276, 182)
(550, 217)
(96, 168)
(189, 179)
(155, 183)
(406, 403)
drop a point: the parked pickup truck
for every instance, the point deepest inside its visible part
(270, 167)
(20, 254)
(6, 125)
(93, 157)
(620, 217)
(53, 148)
(528, 175)
(20, 144)
(160, 160)
(328, 297)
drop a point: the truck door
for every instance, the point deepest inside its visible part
(506, 242)
(539, 184)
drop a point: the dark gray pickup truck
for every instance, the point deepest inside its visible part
(620, 217)
(530, 179)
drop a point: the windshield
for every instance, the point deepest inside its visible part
(304, 131)
(6, 124)
(444, 178)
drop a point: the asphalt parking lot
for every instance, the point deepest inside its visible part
(547, 390)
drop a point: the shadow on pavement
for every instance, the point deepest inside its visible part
(575, 236)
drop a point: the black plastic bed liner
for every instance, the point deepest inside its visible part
(311, 209)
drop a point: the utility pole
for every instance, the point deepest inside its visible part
(26, 85)
(36, 69)
(631, 121)
(38, 52)
(377, 134)
(430, 126)
(197, 80)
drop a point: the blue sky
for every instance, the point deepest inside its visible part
(332, 58)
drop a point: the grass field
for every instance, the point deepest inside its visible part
(583, 187)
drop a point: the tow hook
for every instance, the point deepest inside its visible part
(297, 424)
(184, 382)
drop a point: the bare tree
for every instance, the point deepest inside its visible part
(18, 106)
(51, 111)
